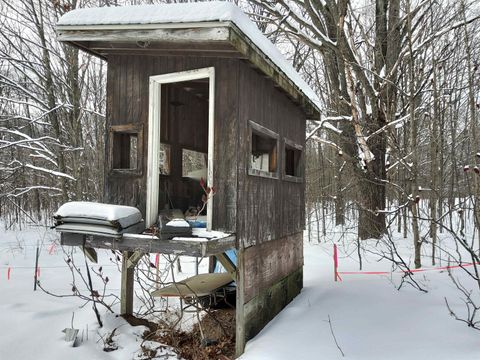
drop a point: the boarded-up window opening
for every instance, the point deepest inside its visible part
(263, 151)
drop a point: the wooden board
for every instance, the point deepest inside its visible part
(200, 247)
(127, 285)
(185, 36)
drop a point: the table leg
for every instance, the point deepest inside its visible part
(126, 294)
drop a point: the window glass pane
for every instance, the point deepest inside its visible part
(194, 164)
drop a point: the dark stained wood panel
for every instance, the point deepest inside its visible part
(266, 305)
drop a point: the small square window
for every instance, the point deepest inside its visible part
(293, 160)
(125, 148)
(263, 157)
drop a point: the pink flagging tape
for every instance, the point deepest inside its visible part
(52, 247)
(364, 272)
(335, 263)
(38, 272)
(440, 268)
(157, 260)
(338, 278)
(8, 273)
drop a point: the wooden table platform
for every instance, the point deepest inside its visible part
(135, 246)
(189, 246)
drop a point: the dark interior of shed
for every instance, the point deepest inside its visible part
(184, 144)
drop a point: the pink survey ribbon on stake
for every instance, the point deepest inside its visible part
(335, 263)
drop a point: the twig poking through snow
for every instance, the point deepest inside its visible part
(334, 338)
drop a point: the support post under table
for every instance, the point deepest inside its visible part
(126, 294)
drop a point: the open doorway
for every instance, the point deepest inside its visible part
(180, 142)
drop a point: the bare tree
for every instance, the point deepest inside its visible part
(52, 100)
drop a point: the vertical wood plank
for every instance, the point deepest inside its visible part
(239, 310)
(127, 283)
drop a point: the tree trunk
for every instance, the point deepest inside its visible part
(339, 198)
(413, 141)
(473, 126)
(371, 224)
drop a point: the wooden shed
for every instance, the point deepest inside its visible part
(195, 90)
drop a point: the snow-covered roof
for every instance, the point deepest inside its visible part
(188, 13)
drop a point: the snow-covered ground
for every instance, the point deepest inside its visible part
(370, 318)
(31, 323)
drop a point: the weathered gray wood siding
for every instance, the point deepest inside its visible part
(268, 209)
(127, 103)
(270, 212)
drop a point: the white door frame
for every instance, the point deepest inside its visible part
(154, 118)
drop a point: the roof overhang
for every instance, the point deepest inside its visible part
(216, 39)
